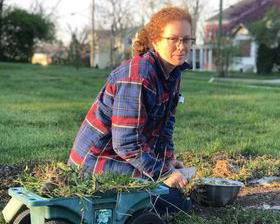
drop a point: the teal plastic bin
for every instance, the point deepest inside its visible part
(106, 208)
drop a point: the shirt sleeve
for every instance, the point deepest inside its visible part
(128, 120)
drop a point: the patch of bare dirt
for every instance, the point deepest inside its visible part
(258, 195)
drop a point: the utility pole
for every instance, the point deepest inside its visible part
(92, 41)
(195, 16)
(220, 34)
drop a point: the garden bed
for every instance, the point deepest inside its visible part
(250, 197)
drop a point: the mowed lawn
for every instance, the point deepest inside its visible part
(41, 109)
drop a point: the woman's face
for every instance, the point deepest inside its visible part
(175, 42)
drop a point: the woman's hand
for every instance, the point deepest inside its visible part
(176, 164)
(176, 179)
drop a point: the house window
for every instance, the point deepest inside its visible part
(245, 48)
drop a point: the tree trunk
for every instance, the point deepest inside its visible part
(1, 27)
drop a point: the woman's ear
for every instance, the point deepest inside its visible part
(155, 46)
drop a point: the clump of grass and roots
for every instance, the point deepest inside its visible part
(230, 216)
(231, 166)
(58, 180)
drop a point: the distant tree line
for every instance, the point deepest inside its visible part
(21, 29)
(19, 32)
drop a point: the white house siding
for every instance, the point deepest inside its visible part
(102, 50)
(102, 59)
(245, 63)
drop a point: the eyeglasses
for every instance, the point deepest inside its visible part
(177, 40)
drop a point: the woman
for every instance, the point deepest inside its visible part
(129, 127)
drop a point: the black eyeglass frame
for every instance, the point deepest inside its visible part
(177, 40)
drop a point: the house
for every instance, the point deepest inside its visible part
(47, 53)
(102, 46)
(236, 20)
(110, 51)
(247, 58)
(41, 59)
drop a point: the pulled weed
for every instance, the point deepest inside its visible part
(58, 180)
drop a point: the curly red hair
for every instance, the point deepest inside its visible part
(153, 30)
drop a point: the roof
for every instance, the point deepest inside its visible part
(245, 11)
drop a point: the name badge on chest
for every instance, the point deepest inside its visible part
(181, 99)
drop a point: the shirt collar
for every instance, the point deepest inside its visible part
(185, 66)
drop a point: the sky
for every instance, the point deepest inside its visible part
(73, 15)
(69, 13)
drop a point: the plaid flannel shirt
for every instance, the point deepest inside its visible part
(121, 130)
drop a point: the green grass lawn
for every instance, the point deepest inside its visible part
(228, 116)
(41, 108)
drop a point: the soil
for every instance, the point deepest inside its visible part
(249, 196)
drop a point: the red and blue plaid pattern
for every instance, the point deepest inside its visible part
(121, 130)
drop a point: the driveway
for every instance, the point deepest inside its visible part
(250, 81)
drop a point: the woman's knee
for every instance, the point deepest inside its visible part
(174, 201)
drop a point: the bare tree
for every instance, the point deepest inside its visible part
(74, 52)
(39, 6)
(80, 40)
(148, 7)
(92, 41)
(117, 15)
(196, 8)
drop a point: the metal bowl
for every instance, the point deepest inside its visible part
(217, 192)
